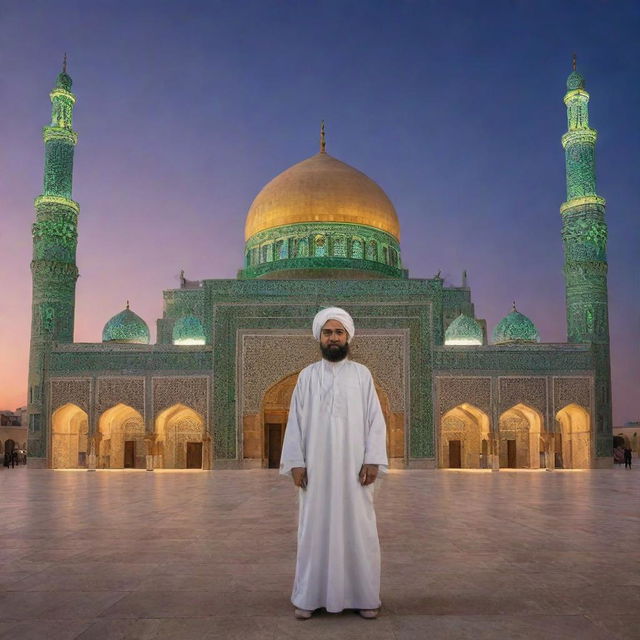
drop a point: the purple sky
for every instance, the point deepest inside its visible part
(185, 110)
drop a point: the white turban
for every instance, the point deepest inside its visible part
(333, 313)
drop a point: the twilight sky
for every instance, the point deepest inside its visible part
(186, 109)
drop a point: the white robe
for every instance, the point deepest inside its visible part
(335, 426)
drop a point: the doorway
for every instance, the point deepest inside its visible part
(512, 461)
(194, 455)
(129, 454)
(274, 444)
(455, 454)
(484, 456)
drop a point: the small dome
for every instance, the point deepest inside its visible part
(64, 81)
(188, 330)
(126, 327)
(463, 330)
(515, 328)
(575, 81)
(321, 189)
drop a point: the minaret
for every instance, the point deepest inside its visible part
(53, 268)
(584, 237)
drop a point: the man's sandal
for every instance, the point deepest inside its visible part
(369, 614)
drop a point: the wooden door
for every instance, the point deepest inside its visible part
(194, 455)
(558, 451)
(511, 454)
(455, 454)
(129, 454)
(274, 443)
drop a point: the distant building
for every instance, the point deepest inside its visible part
(214, 391)
(13, 431)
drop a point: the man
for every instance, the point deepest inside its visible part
(333, 447)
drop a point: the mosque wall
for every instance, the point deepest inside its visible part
(143, 381)
(537, 412)
(232, 321)
(266, 357)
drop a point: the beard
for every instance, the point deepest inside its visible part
(335, 352)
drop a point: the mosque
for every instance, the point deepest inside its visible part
(214, 391)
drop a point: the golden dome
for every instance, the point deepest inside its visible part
(321, 189)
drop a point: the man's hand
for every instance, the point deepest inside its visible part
(368, 474)
(299, 475)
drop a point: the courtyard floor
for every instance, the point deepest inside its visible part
(186, 555)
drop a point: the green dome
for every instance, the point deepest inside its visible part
(126, 327)
(575, 81)
(515, 328)
(188, 330)
(463, 330)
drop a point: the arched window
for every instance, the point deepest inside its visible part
(385, 254)
(303, 248)
(357, 251)
(372, 250)
(340, 247)
(319, 246)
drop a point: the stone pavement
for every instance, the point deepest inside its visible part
(185, 555)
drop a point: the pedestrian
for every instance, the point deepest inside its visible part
(14, 458)
(618, 456)
(6, 459)
(627, 457)
(334, 447)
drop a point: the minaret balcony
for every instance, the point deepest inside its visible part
(59, 133)
(578, 136)
(576, 94)
(55, 202)
(581, 202)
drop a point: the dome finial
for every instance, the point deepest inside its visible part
(323, 140)
(573, 62)
(513, 307)
(127, 305)
(64, 63)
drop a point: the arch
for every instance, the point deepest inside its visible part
(180, 439)
(574, 423)
(523, 426)
(372, 250)
(464, 438)
(275, 413)
(121, 438)
(319, 246)
(69, 437)
(357, 248)
(339, 249)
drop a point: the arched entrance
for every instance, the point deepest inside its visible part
(275, 412)
(180, 439)
(575, 437)
(464, 438)
(520, 444)
(121, 439)
(69, 437)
